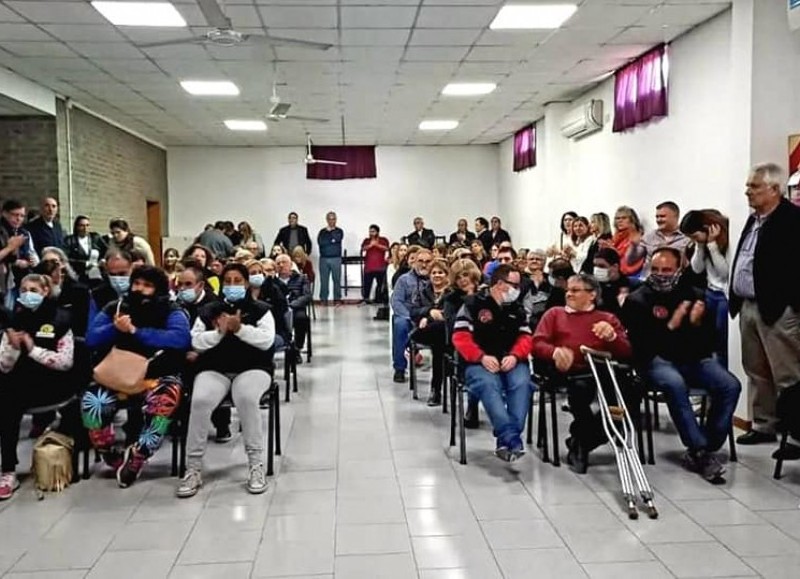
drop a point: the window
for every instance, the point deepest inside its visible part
(525, 148)
(640, 90)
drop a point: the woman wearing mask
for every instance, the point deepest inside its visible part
(234, 340)
(123, 238)
(147, 323)
(85, 249)
(268, 289)
(36, 356)
(203, 257)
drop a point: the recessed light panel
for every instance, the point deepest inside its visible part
(140, 13)
(210, 87)
(243, 125)
(532, 16)
(437, 125)
(468, 88)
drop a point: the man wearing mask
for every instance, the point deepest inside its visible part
(330, 241)
(421, 236)
(614, 286)
(46, 231)
(292, 235)
(407, 295)
(119, 265)
(673, 347)
(492, 337)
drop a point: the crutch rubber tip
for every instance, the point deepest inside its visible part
(652, 512)
(633, 513)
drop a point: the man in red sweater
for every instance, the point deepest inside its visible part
(558, 338)
(493, 338)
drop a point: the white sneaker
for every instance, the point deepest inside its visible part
(257, 479)
(190, 484)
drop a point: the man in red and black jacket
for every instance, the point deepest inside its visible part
(493, 338)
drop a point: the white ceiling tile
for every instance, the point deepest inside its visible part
(182, 51)
(595, 14)
(455, 17)
(109, 50)
(375, 36)
(436, 53)
(242, 15)
(682, 15)
(60, 64)
(304, 55)
(298, 16)
(7, 15)
(513, 37)
(123, 66)
(51, 49)
(16, 31)
(84, 32)
(377, 16)
(499, 53)
(368, 53)
(144, 35)
(444, 36)
(60, 12)
(312, 34)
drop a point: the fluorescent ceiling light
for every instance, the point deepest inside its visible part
(437, 125)
(532, 16)
(140, 13)
(239, 125)
(210, 87)
(468, 88)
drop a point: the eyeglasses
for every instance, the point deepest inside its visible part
(574, 290)
(511, 283)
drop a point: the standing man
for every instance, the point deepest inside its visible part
(667, 232)
(766, 300)
(17, 254)
(483, 234)
(374, 249)
(462, 236)
(421, 236)
(498, 234)
(46, 231)
(329, 240)
(292, 235)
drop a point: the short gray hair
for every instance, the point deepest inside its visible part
(772, 173)
(589, 281)
(63, 259)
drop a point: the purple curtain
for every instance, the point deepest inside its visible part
(640, 90)
(360, 163)
(525, 148)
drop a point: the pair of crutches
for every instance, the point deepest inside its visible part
(621, 434)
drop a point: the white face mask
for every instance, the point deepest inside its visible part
(601, 274)
(511, 295)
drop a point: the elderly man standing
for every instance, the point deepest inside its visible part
(329, 240)
(46, 231)
(766, 300)
(421, 236)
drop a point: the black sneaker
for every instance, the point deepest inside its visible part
(710, 468)
(577, 459)
(399, 376)
(298, 359)
(131, 468)
(223, 435)
(435, 398)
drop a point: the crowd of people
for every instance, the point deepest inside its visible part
(95, 317)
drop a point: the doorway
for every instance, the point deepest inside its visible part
(154, 229)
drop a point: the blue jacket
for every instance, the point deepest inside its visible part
(330, 242)
(174, 335)
(408, 294)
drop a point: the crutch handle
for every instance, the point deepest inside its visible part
(585, 350)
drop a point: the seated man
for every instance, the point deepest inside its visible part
(614, 285)
(115, 284)
(673, 345)
(407, 295)
(492, 336)
(299, 296)
(558, 338)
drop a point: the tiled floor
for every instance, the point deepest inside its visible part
(368, 488)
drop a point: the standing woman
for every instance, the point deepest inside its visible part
(85, 249)
(708, 228)
(583, 242)
(625, 241)
(600, 228)
(564, 239)
(124, 239)
(36, 356)
(172, 266)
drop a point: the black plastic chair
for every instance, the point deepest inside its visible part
(454, 375)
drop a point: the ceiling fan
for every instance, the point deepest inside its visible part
(222, 33)
(310, 160)
(279, 110)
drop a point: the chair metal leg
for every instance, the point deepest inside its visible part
(544, 444)
(656, 417)
(309, 348)
(732, 456)
(276, 401)
(175, 445)
(554, 418)
(270, 440)
(287, 374)
(453, 417)
(445, 384)
(294, 372)
(462, 429)
(781, 449)
(86, 473)
(412, 370)
(648, 421)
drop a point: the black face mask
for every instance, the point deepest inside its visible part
(138, 300)
(663, 283)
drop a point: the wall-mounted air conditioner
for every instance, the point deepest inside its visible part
(583, 120)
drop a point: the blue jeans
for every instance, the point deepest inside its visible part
(717, 307)
(330, 267)
(401, 327)
(506, 396)
(723, 388)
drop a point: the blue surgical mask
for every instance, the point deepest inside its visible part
(120, 283)
(234, 293)
(187, 295)
(30, 300)
(257, 279)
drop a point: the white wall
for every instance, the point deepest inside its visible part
(683, 157)
(262, 185)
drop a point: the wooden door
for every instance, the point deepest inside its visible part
(154, 229)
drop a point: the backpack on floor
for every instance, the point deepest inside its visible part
(787, 409)
(52, 462)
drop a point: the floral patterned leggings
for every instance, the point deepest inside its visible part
(100, 405)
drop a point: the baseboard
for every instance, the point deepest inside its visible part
(742, 424)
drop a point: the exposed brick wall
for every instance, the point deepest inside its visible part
(114, 174)
(28, 159)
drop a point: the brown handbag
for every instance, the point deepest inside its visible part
(122, 370)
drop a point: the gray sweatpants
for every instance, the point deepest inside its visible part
(210, 388)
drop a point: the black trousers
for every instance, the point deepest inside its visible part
(379, 277)
(433, 335)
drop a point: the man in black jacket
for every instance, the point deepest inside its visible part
(298, 293)
(292, 235)
(45, 230)
(766, 300)
(497, 233)
(462, 236)
(421, 236)
(483, 234)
